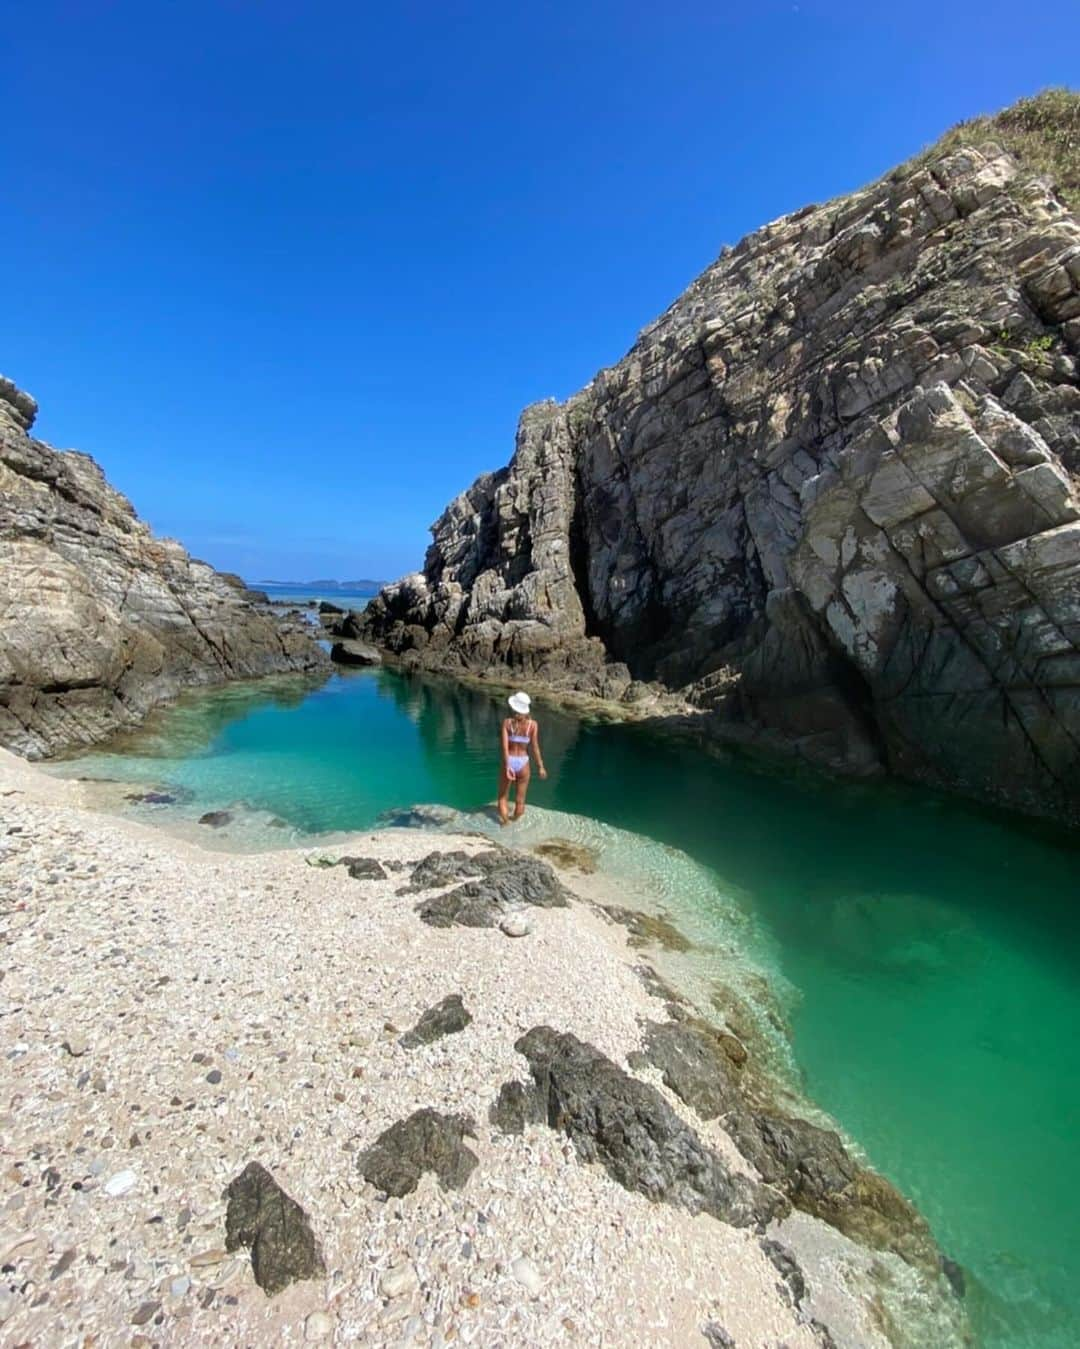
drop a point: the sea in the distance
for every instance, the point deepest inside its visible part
(933, 948)
(300, 594)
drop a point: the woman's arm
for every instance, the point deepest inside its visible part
(506, 749)
(536, 750)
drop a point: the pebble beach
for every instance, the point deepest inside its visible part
(173, 1014)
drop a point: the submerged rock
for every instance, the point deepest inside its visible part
(216, 819)
(648, 929)
(426, 1141)
(261, 1216)
(565, 853)
(419, 817)
(628, 1127)
(445, 1018)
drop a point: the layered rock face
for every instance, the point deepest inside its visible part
(99, 620)
(830, 495)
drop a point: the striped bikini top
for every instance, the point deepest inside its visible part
(518, 739)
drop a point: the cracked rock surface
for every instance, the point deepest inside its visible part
(494, 885)
(273, 1226)
(445, 1018)
(425, 1141)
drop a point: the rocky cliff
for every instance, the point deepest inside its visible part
(100, 620)
(830, 494)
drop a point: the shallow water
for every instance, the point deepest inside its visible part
(928, 951)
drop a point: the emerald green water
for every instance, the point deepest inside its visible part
(935, 948)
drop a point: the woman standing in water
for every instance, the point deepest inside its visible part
(520, 735)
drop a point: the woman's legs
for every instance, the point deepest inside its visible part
(522, 783)
(504, 793)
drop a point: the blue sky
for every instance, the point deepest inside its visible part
(289, 269)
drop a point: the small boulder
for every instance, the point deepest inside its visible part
(425, 1141)
(363, 868)
(216, 819)
(515, 925)
(445, 1018)
(351, 652)
(261, 1216)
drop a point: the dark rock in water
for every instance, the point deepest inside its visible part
(354, 653)
(716, 1337)
(419, 817)
(426, 1141)
(628, 1127)
(216, 819)
(955, 1274)
(648, 929)
(445, 1018)
(565, 853)
(325, 607)
(809, 1164)
(153, 798)
(363, 868)
(504, 881)
(278, 823)
(261, 1216)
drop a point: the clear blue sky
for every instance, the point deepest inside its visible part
(289, 269)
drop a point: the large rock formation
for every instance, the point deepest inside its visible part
(831, 493)
(100, 620)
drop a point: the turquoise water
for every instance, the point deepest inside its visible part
(935, 949)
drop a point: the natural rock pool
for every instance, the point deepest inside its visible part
(930, 952)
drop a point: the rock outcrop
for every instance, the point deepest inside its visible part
(830, 494)
(99, 620)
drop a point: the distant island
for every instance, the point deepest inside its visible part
(356, 587)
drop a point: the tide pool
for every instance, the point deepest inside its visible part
(929, 952)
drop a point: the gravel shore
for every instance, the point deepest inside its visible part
(171, 1015)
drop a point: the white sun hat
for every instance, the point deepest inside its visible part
(520, 702)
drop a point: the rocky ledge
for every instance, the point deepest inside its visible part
(830, 495)
(252, 1100)
(99, 620)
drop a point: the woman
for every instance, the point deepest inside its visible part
(519, 736)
